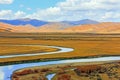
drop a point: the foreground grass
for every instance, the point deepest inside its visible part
(71, 71)
(84, 46)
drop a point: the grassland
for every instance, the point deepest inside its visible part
(85, 45)
(72, 71)
(21, 49)
(91, 72)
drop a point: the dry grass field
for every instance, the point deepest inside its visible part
(84, 45)
(20, 49)
(91, 72)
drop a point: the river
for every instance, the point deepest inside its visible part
(6, 71)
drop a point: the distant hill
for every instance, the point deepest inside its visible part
(81, 22)
(12, 28)
(100, 27)
(32, 22)
(104, 27)
(54, 26)
(5, 30)
(37, 23)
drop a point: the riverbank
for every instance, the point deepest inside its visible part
(71, 71)
(24, 49)
(50, 59)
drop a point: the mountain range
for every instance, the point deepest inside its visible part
(26, 21)
(82, 22)
(83, 26)
(37, 23)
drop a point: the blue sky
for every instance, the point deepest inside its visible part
(29, 6)
(61, 10)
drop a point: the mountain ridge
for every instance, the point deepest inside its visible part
(101, 27)
(17, 22)
(82, 22)
(37, 23)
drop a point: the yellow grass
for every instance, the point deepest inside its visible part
(93, 46)
(17, 49)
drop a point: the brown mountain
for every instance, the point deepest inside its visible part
(50, 27)
(54, 27)
(105, 27)
(5, 27)
(12, 28)
(4, 30)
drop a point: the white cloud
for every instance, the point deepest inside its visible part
(72, 10)
(9, 14)
(5, 14)
(6, 1)
(89, 4)
(79, 9)
(47, 14)
(111, 15)
(19, 14)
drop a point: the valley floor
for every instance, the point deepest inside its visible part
(84, 45)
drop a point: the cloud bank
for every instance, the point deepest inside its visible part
(103, 10)
(6, 1)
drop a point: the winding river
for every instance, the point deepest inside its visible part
(61, 50)
(6, 71)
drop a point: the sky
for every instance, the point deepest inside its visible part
(61, 10)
